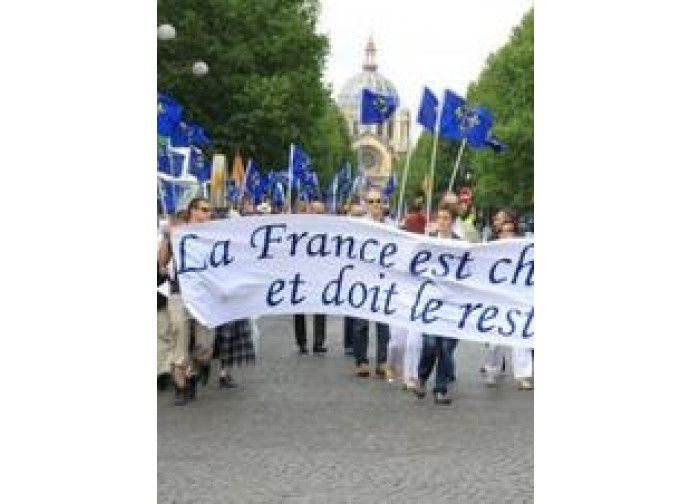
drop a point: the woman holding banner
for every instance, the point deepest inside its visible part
(192, 342)
(405, 346)
(505, 226)
(235, 346)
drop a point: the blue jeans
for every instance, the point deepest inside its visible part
(360, 341)
(347, 337)
(438, 350)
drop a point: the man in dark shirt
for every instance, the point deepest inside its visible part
(300, 320)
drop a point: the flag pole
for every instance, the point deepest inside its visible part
(161, 192)
(360, 168)
(433, 167)
(401, 198)
(161, 195)
(168, 152)
(457, 164)
(292, 154)
(334, 203)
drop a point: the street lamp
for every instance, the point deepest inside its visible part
(199, 68)
(166, 32)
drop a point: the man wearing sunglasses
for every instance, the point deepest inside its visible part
(188, 363)
(360, 327)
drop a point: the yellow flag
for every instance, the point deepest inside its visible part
(218, 177)
(238, 170)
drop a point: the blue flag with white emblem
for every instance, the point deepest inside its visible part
(197, 135)
(171, 196)
(254, 183)
(176, 164)
(168, 115)
(459, 121)
(299, 163)
(185, 134)
(276, 190)
(233, 192)
(376, 107)
(309, 186)
(179, 137)
(452, 116)
(198, 167)
(428, 110)
(476, 126)
(163, 160)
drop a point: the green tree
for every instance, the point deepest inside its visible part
(264, 89)
(505, 87)
(329, 145)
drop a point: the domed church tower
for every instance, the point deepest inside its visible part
(379, 145)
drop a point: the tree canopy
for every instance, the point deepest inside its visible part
(505, 87)
(263, 90)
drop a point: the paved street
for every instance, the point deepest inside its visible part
(304, 429)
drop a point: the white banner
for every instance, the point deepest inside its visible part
(266, 265)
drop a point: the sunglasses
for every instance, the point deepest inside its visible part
(204, 209)
(371, 201)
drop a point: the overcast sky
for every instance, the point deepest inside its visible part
(439, 43)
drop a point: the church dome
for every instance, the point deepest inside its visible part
(349, 98)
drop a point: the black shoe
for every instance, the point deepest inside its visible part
(303, 350)
(320, 349)
(441, 398)
(180, 395)
(420, 390)
(226, 382)
(204, 374)
(164, 381)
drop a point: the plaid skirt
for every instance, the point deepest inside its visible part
(234, 345)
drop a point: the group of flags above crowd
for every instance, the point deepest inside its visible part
(457, 121)
(183, 172)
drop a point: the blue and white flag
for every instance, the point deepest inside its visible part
(376, 107)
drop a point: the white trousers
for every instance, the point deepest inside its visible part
(256, 334)
(523, 364)
(404, 351)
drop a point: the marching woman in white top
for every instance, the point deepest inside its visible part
(405, 345)
(505, 225)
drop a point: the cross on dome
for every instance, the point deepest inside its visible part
(370, 56)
